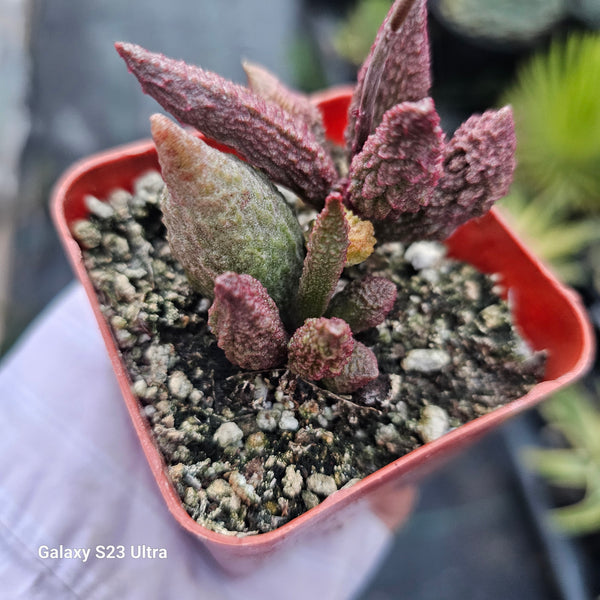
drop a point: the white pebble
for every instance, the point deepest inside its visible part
(179, 385)
(227, 434)
(218, 489)
(424, 255)
(387, 434)
(139, 388)
(102, 210)
(123, 288)
(266, 421)
(243, 489)
(425, 360)
(493, 316)
(434, 423)
(151, 181)
(323, 485)
(292, 482)
(288, 421)
(86, 233)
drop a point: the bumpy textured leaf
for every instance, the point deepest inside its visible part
(364, 303)
(265, 84)
(361, 237)
(320, 348)
(325, 259)
(396, 70)
(246, 323)
(479, 163)
(260, 130)
(222, 215)
(357, 372)
(400, 164)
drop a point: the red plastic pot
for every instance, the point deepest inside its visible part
(549, 315)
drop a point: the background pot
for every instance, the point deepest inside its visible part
(549, 315)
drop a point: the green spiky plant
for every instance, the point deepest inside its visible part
(574, 414)
(557, 117)
(556, 200)
(274, 297)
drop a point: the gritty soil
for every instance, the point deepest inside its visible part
(248, 451)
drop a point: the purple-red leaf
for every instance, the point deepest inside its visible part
(246, 323)
(400, 164)
(479, 163)
(396, 70)
(325, 259)
(320, 348)
(265, 84)
(364, 303)
(260, 130)
(357, 372)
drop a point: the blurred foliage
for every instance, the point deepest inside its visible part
(308, 71)
(506, 21)
(552, 233)
(354, 38)
(574, 414)
(556, 101)
(555, 206)
(555, 202)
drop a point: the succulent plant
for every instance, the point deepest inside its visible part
(246, 322)
(320, 348)
(276, 298)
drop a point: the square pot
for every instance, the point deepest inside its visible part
(549, 315)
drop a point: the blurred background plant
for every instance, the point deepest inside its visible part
(556, 101)
(555, 205)
(588, 11)
(356, 33)
(574, 423)
(553, 232)
(511, 24)
(555, 201)
(501, 21)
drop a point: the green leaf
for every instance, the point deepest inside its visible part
(223, 215)
(325, 260)
(580, 518)
(575, 415)
(578, 419)
(560, 466)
